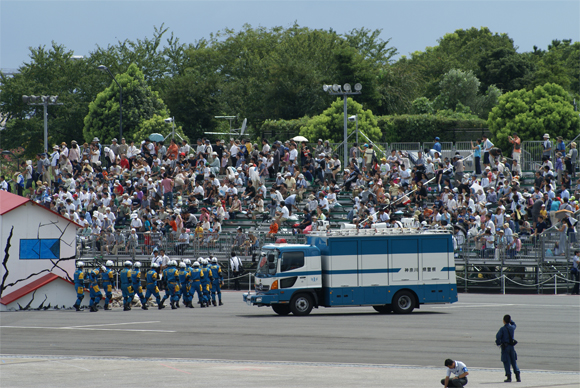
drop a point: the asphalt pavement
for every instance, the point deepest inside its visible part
(238, 345)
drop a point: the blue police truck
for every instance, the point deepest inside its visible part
(389, 269)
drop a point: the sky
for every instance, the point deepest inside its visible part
(82, 25)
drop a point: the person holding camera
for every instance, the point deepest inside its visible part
(505, 339)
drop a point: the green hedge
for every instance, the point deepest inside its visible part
(425, 127)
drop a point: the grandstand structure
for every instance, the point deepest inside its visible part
(540, 267)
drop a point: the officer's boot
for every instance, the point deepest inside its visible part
(77, 307)
(191, 305)
(125, 307)
(518, 377)
(93, 309)
(160, 305)
(202, 304)
(144, 306)
(177, 304)
(214, 302)
(173, 305)
(509, 379)
(107, 307)
(220, 303)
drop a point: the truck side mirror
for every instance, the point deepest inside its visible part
(271, 266)
(271, 259)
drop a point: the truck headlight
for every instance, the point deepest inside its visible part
(258, 300)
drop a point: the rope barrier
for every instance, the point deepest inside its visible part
(519, 284)
(479, 281)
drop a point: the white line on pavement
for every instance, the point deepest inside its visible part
(112, 324)
(85, 328)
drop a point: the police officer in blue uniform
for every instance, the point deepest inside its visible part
(171, 276)
(95, 291)
(136, 282)
(107, 282)
(152, 289)
(505, 339)
(126, 285)
(206, 280)
(218, 281)
(79, 284)
(184, 282)
(196, 275)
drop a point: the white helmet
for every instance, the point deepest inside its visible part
(196, 264)
(154, 265)
(109, 263)
(182, 265)
(214, 260)
(174, 263)
(80, 264)
(187, 261)
(128, 263)
(203, 261)
(103, 268)
(137, 264)
(200, 259)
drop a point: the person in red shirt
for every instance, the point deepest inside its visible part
(173, 150)
(124, 163)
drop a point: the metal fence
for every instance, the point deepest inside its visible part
(531, 158)
(219, 245)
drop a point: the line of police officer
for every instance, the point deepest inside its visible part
(179, 281)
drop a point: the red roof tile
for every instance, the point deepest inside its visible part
(24, 290)
(9, 201)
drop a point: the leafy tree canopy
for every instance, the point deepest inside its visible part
(140, 104)
(330, 124)
(531, 113)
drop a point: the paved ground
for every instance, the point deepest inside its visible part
(238, 345)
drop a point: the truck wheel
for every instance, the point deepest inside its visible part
(301, 304)
(281, 309)
(403, 302)
(384, 309)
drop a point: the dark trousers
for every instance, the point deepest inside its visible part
(236, 280)
(576, 277)
(455, 382)
(477, 162)
(509, 359)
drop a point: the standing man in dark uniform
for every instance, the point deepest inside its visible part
(505, 339)
(137, 288)
(79, 284)
(95, 291)
(152, 289)
(126, 285)
(107, 282)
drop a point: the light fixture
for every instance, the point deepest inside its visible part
(326, 88)
(336, 87)
(357, 87)
(346, 87)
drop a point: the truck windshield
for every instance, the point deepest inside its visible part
(268, 263)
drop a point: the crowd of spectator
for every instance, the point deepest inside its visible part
(184, 193)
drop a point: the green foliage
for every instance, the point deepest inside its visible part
(560, 64)
(139, 104)
(157, 124)
(531, 113)
(422, 106)
(424, 127)
(462, 49)
(462, 88)
(506, 69)
(330, 124)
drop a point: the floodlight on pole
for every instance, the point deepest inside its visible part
(344, 91)
(45, 101)
(106, 69)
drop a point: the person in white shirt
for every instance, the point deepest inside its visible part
(236, 267)
(457, 368)
(323, 202)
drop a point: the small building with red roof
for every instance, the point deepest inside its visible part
(37, 254)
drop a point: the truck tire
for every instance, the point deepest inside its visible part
(301, 304)
(383, 309)
(403, 302)
(281, 309)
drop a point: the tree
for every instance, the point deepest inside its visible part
(139, 104)
(157, 124)
(462, 87)
(330, 124)
(531, 113)
(506, 69)
(462, 49)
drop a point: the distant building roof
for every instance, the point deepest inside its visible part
(9, 202)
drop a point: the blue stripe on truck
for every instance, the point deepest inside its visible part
(353, 271)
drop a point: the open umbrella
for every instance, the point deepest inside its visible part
(561, 214)
(156, 137)
(299, 138)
